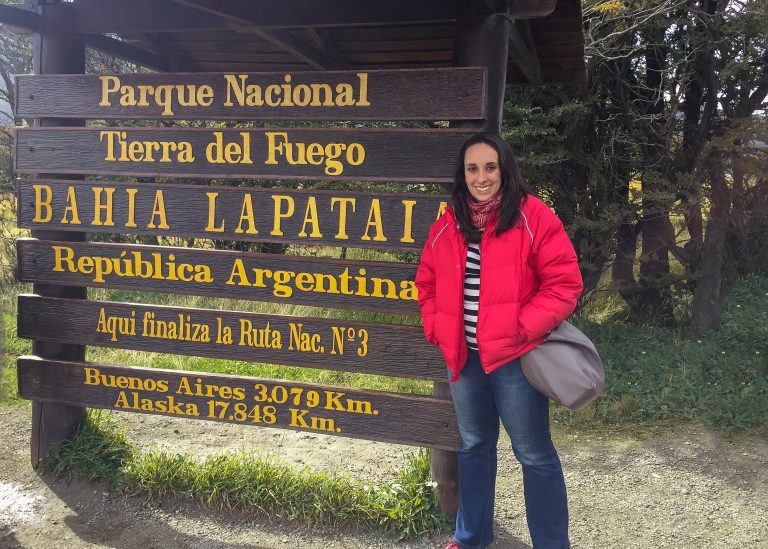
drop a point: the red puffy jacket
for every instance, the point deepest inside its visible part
(529, 282)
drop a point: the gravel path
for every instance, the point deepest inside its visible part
(682, 488)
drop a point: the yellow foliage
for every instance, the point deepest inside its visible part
(610, 6)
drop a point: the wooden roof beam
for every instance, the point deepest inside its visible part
(324, 42)
(25, 21)
(119, 16)
(137, 16)
(19, 19)
(175, 60)
(530, 9)
(126, 51)
(316, 57)
(522, 50)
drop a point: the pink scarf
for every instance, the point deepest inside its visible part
(481, 211)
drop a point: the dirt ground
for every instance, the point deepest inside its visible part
(685, 487)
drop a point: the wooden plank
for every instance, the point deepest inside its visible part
(430, 44)
(428, 94)
(280, 215)
(319, 58)
(20, 19)
(442, 56)
(125, 51)
(371, 415)
(118, 16)
(295, 153)
(334, 283)
(384, 32)
(341, 345)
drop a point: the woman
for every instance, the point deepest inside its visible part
(497, 273)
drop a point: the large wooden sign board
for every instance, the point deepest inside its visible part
(397, 221)
(361, 285)
(420, 421)
(388, 221)
(285, 153)
(418, 94)
(368, 348)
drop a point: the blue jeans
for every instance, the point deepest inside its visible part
(480, 400)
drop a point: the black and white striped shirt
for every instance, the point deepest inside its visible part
(471, 294)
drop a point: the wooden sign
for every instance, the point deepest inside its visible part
(275, 339)
(422, 94)
(295, 153)
(336, 218)
(402, 419)
(361, 285)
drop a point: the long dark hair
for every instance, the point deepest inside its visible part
(513, 189)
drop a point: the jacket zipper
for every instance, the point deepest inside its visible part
(479, 297)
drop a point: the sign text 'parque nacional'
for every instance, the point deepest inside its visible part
(423, 94)
(340, 218)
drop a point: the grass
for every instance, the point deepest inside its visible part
(661, 374)
(652, 373)
(99, 451)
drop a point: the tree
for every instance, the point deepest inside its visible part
(675, 104)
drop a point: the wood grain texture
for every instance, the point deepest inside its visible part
(343, 218)
(344, 284)
(389, 155)
(372, 415)
(326, 343)
(415, 94)
(55, 51)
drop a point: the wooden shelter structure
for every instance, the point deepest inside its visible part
(517, 42)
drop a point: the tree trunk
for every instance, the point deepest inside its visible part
(710, 293)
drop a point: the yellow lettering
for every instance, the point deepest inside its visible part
(441, 209)
(238, 270)
(273, 147)
(310, 217)
(158, 210)
(279, 215)
(211, 227)
(63, 254)
(246, 214)
(374, 220)
(362, 100)
(408, 221)
(131, 221)
(343, 203)
(71, 208)
(98, 207)
(42, 204)
(109, 85)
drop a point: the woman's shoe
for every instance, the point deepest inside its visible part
(452, 545)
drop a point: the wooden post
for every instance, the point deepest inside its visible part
(482, 39)
(56, 51)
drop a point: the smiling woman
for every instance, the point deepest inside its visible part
(496, 275)
(481, 171)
